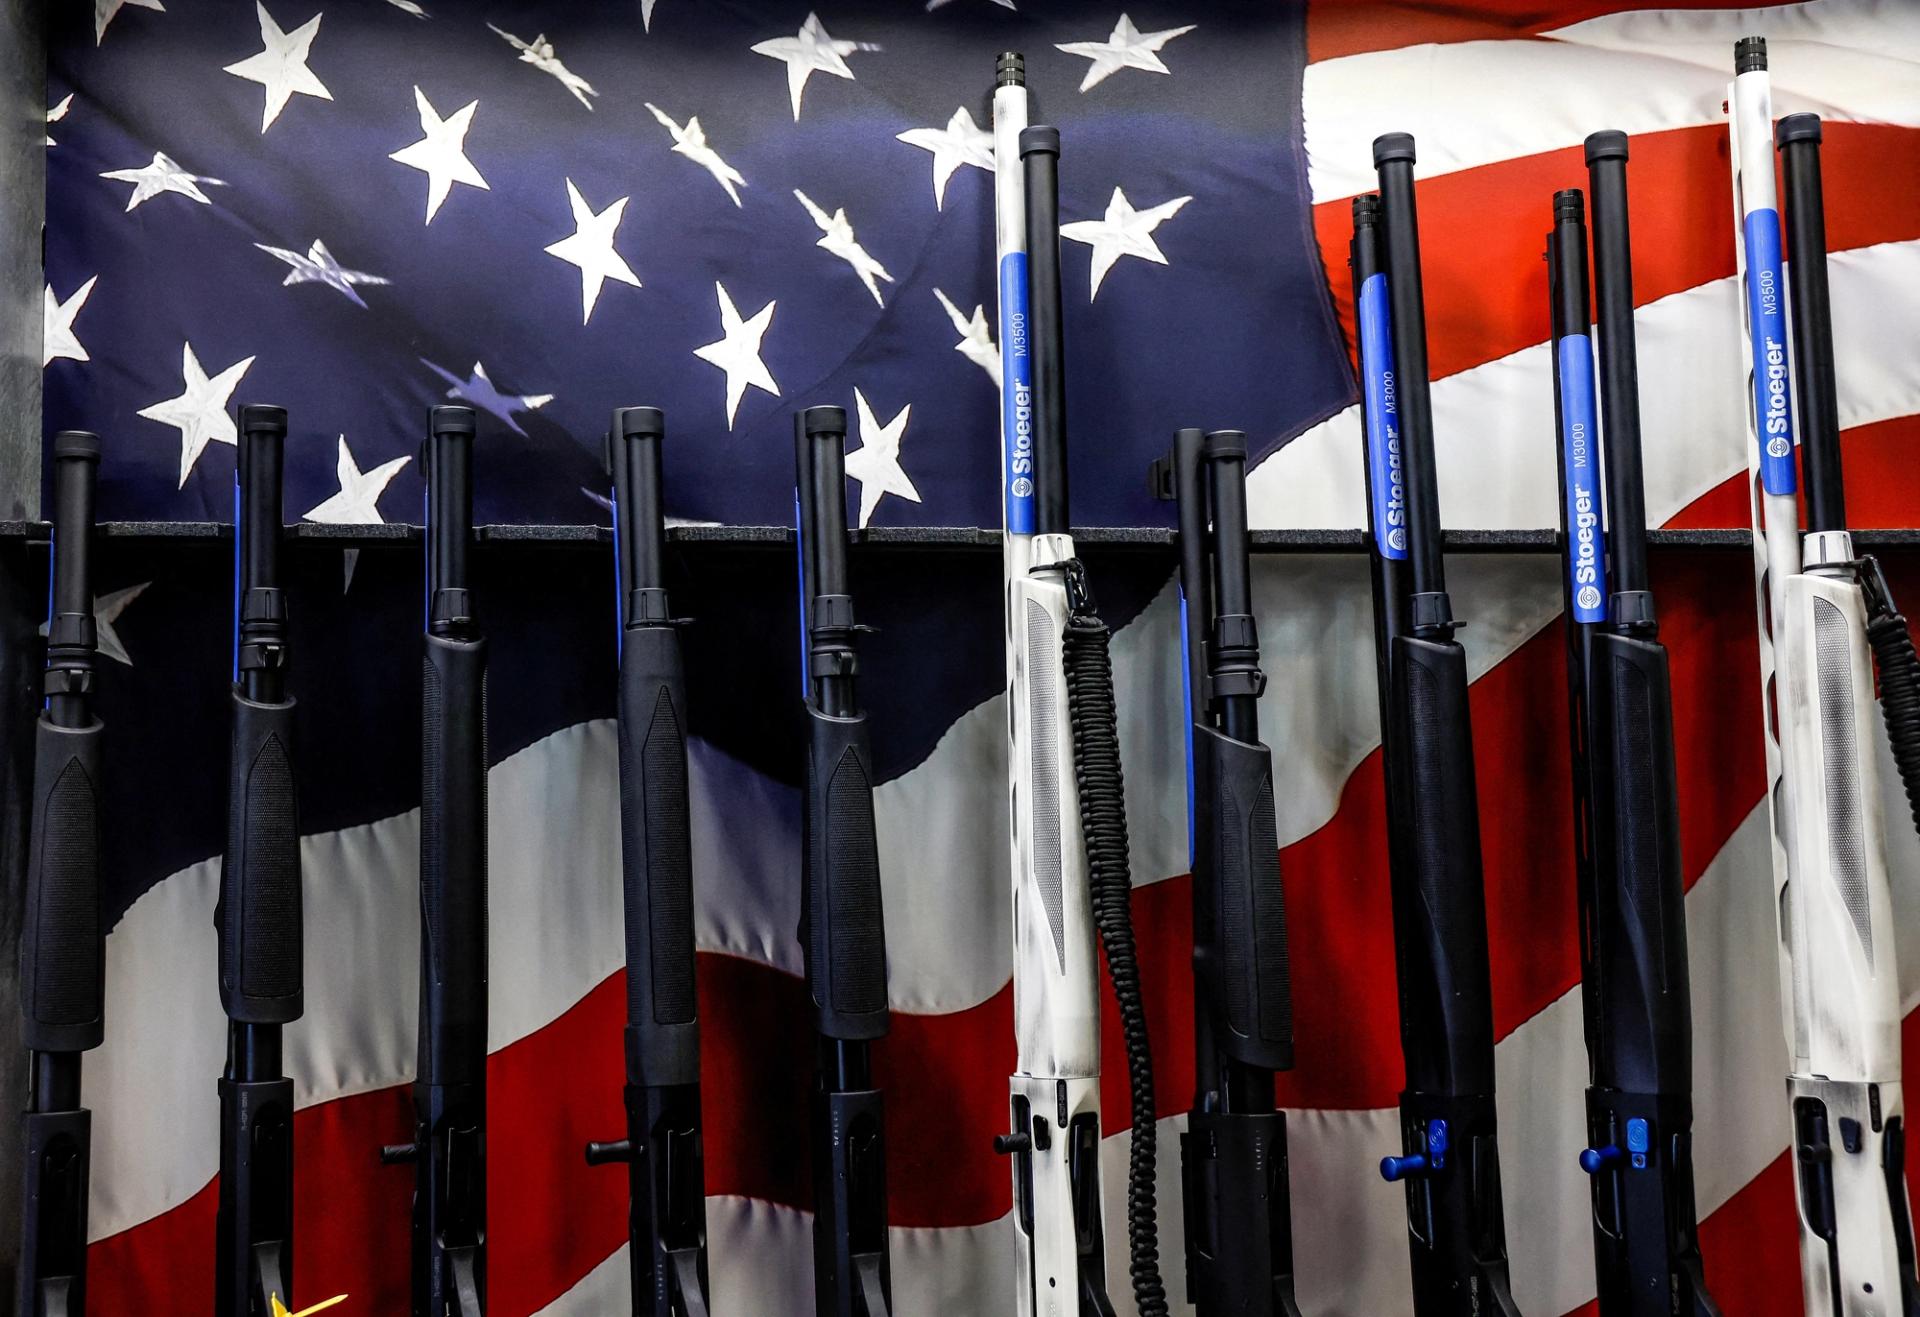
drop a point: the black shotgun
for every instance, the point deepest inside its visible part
(1450, 1159)
(259, 916)
(1630, 885)
(667, 1205)
(449, 1150)
(62, 960)
(842, 932)
(1233, 1157)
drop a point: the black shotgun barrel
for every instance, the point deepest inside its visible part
(62, 960)
(667, 1210)
(1238, 1207)
(259, 914)
(1633, 926)
(842, 930)
(1040, 157)
(1450, 1160)
(449, 1094)
(1798, 136)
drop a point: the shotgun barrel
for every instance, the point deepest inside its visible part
(842, 929)
(259, 914)
(1825, 615)
(1629, 880)
(667, 1206)
(449, 1148)
(1239, 1226)
(1450, 1160)
(62, 959)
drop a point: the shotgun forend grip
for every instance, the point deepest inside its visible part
(261, 938)
(62, 968)
(1446, 998)
(841, 930)
(1240, 948)
(1644, 1043)
(453, 862)
(656, 862)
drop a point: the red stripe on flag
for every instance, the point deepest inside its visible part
(1483, 230)
(1878, 464)
(1355, 27)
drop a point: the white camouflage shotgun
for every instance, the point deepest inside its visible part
(1821, 608)
(1069, 845)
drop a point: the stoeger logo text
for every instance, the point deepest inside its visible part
(1776, 354)
(1021, 463)
(1586, 520)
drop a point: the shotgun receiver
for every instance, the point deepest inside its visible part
(1239, 1215)
(842, 932)
(259, 915)
(449, 1148)
(667, 1205)
(1450, 1160)
(1628, 877)
(1064, 765)
(62, 959)
(1822, 610)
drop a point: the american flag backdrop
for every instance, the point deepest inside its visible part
(359, 208)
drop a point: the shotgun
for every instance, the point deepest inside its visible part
(1822, 610)
(259, 915)
(1450, 1161)
(1628, 877)
(449, 1148)
(1064, 762)
(62, 959)
(1239, 1216)
(667, 1205)
(842, 932)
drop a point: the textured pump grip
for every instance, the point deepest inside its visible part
(1449, 1038)
(259, 919)
(841, 930)
(1640, 932)
(1240, 946)
(656, 862)
(453, 862)
(62, 968)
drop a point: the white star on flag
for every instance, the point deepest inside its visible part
(104, 10)
(840, 241)
(1124, 232)
(646, 14)
(478, 390)
(358, 502)
(57, 113)
(540, 53)
(811, 51)
(590, 246)
(57, 338)
(409, 7)
(976, 340)
(442, 154)
(1127, 48)
(738, 351)
(200, 412)
(106, 611)
(319, 267)
(691, 142)
(875, 464)
(961, 142)
(163, 175)
(282, 67)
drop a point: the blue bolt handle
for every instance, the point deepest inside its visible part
(1595, 1160)
(1395, 1169)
